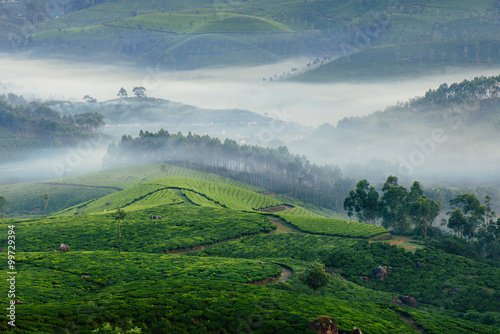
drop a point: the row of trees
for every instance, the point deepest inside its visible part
(36, 120)
(277, 170)
(467, 91)
(400, 209)
(139, 92)
(397, 208)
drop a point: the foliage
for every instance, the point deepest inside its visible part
(364, 200)
(315, 276)
(139, 92)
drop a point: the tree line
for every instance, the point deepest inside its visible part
(36, 120)
(275, 169)
(401, 210)
(466, 92)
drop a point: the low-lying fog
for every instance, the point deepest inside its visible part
(241, 88)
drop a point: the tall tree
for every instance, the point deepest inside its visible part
(119, 215)
(422, 212)
(122, 93)
(393, 205)
(139, 92)
(363, 200)
(467, 215)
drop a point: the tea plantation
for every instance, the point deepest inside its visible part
(210, 262)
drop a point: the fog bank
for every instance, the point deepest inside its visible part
(242, 88)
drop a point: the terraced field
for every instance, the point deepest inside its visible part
(330, 226)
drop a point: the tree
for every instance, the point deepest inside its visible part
(315, 276)
(3, 205)
(163, 168)
(122, 93)
(45, 198)
(139, 92)
(422, 212)
(467, 215)
(393, 205)
(363, 200)
(119, 215)
(89, 99)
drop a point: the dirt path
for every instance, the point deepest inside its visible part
(285, 275)
(402, 240)
(281, 227)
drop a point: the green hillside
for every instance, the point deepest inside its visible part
(71, 192)
(366, 39)
(186, 40)
(213, 264)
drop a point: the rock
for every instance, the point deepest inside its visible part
(396, 301)
(261, 262)
(419, 264)
(85, 276)
(380, 273)
(409, 300)
(328, 271)
(323, 325)
(356, 330)
(64, 248)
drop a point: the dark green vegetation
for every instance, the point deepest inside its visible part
(210, 263)
(27, 127)
(371, 39)
(475, 225)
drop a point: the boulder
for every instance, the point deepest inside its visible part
(409, 300)
(323, 325)
(64, 248)
(356, 330)
(380, 273)
(397, 301)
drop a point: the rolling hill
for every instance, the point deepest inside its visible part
(365, 40)
(224, 268)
